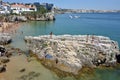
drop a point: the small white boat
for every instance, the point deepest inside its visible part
(77, 16)
(71, 16)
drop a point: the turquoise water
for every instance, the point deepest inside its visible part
(107, 24)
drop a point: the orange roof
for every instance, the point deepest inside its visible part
(18, 5)
(22, 6)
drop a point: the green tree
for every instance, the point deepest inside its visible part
(42, 10)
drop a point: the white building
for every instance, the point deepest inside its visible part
(19, 8)
(5, 8)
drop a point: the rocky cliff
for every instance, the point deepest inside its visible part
(41, 17)
(13, 18)
(70, 53)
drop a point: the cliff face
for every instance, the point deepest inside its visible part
(70, 53)
(33, 17)
(41, 17)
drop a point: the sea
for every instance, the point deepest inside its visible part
(104, 24)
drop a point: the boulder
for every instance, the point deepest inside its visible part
(50, 16)
(2, 51)
(4, 59)
(5, 38)
(2, 68)
(22, 70)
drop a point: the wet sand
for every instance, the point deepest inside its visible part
(33, 70)
(8, 27)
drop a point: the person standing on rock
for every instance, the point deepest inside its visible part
(87, 38)
(92, 38)
(51, 35)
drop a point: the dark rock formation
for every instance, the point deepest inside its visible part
(118, 58)
(22, 70)
(2, 49)
(4, 59)
(2, 68)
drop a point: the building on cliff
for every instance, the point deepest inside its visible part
(19, 8)
(4, 8)
(47, 6)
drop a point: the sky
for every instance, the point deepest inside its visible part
(78, 4)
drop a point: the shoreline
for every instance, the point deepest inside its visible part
(63, 39)
(16, 65)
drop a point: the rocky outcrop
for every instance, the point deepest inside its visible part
(70, 53)
(2, 51)
(5, 38)
(2, 68)
(17, 18)
(42, 17)
(4, 59)
(50, 16)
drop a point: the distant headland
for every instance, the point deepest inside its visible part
(59, 10)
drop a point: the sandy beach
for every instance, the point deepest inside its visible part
(9, 27)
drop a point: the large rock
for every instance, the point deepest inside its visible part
(5, 38)
(4, 59)
(17, 18)
(2, 68)
(46, 17)
(70, 53)
(50, 16)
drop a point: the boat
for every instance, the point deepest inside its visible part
(71, 16)
(77, 16)
(74, 16)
